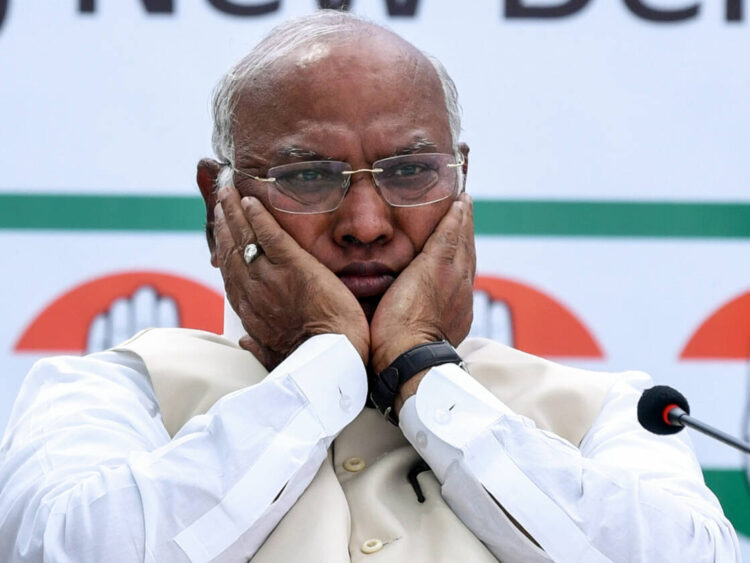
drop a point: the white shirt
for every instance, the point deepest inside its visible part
(86, 464)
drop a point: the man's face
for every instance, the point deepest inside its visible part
(355, 101)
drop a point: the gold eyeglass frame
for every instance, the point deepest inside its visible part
(346, 183)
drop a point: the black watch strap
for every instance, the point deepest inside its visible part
(386, 384)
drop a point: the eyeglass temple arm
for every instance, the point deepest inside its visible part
(457, 164)
(258, 178)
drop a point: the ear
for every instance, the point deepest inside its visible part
(208, 172)
(464, 148)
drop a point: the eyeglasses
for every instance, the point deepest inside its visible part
(320, 186)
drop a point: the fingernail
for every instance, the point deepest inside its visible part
(246, 202)
(223, 193)
(218, 212)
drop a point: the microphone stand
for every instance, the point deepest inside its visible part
(678, 417)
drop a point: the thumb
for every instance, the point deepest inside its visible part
(266, 357)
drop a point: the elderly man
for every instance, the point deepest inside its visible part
(346, 246)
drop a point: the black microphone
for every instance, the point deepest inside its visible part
(664, 410)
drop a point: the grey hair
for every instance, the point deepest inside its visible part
(282, 40)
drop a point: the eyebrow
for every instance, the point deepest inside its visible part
(299, 153)
(292, 151)
(418, 145)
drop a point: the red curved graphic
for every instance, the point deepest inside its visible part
(63, 325)
(725, 334)
(541, 325)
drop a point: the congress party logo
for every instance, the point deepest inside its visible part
(528, 319)
(725, 335)
(101, 313)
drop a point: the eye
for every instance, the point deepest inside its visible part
(408, 169)
(307, 175)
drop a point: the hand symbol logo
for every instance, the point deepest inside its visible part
(128, 315)
(492, 319)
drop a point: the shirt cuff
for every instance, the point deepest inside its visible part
(328, 372)
(458, 425)
(449, 410)
(276, 434)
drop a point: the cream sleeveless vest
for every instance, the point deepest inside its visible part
(340, 510)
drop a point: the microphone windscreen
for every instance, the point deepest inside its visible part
(651, 408)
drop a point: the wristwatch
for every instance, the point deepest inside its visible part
(386, 384)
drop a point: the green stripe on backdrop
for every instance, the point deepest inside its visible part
(101, 212)
(733, 491)
(493, 217)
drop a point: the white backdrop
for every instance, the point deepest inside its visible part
(601, 106)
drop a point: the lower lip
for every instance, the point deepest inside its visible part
(367, 286)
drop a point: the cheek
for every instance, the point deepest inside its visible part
(311, 232)
(418, 223)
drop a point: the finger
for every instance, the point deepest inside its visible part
(232, 265)
(120, 320)
(459, 236)
(167, 313)
(248, 343)
(277, 244)
(468, 246)
(480, 327)
(144, 308)
(242, 232)
(222, 236)
(467, 218)
(265, 356)
(239, 278)
(501, 324)
(467, 223)
(444, 241)
(96, 341)
(225, 245)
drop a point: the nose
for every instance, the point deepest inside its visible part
(364, 217)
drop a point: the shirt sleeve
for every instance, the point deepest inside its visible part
(622, 495)
(89, 473)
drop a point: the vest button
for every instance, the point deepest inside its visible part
(354, 464)
(371, 546)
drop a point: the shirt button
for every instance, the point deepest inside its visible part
(442, 416)
(371, 546)
(354, 464)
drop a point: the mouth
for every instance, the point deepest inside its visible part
(367, 279)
